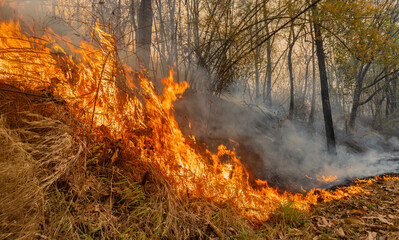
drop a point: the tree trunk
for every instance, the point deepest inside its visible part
(132, 17)
(328, 123)
(305, 90)
(356, 94)
(257, 55)
(312, 105)
(144, 33)
(388, 101)
(292, 104)
(268, 69)
(394, 101)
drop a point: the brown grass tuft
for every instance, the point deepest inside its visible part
(21, 197)
(32, 158)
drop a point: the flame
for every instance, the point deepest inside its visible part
(326, 179)
(101, 91)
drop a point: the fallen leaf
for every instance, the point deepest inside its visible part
(323, 222)
(383, 220)
(354, 220)
(371, 236)
(340, 232)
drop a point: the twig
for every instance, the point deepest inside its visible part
(216, 230)
(20, 92)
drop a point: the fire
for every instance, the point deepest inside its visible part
(326, 179)
(103, 92)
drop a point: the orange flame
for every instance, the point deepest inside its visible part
(103, 93)
(326, 179)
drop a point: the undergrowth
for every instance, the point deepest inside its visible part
(56, 184)
(60, 181)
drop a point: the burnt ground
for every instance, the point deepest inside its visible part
(371, 217)
(374, 216)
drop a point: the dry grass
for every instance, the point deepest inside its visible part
(21, 197)
(33, 157)
(56, 184)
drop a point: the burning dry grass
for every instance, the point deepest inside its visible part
(60, 188)
(48, 193)
(109, 161)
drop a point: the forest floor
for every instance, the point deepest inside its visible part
(48, 190)
(373, 216)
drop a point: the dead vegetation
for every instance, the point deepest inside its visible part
(21, 195)
(62, 179)
(57, 185)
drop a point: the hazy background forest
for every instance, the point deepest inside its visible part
(261, 51)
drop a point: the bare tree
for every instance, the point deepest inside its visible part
(328, 123)
(144, 33)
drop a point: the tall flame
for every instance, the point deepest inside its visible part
(103, 92)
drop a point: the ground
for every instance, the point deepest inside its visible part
(56, 186)
(373, 216)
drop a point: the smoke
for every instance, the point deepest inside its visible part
(288, 154)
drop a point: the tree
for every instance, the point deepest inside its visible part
(144, 33)
(367, 31)
(328, 123)
(293, 38)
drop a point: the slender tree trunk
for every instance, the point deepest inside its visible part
(329, 127)
(118, 23)
(196, 24)
(162, 33)
(313, 102)
(306, 79)
(356, 94)
(189, 57)
(268, 69)
(292, 104)
(172, 35)
(132, 18)
(394, 102)
(144, 33)
(388, 101)
(257, 77)
(257, 55)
